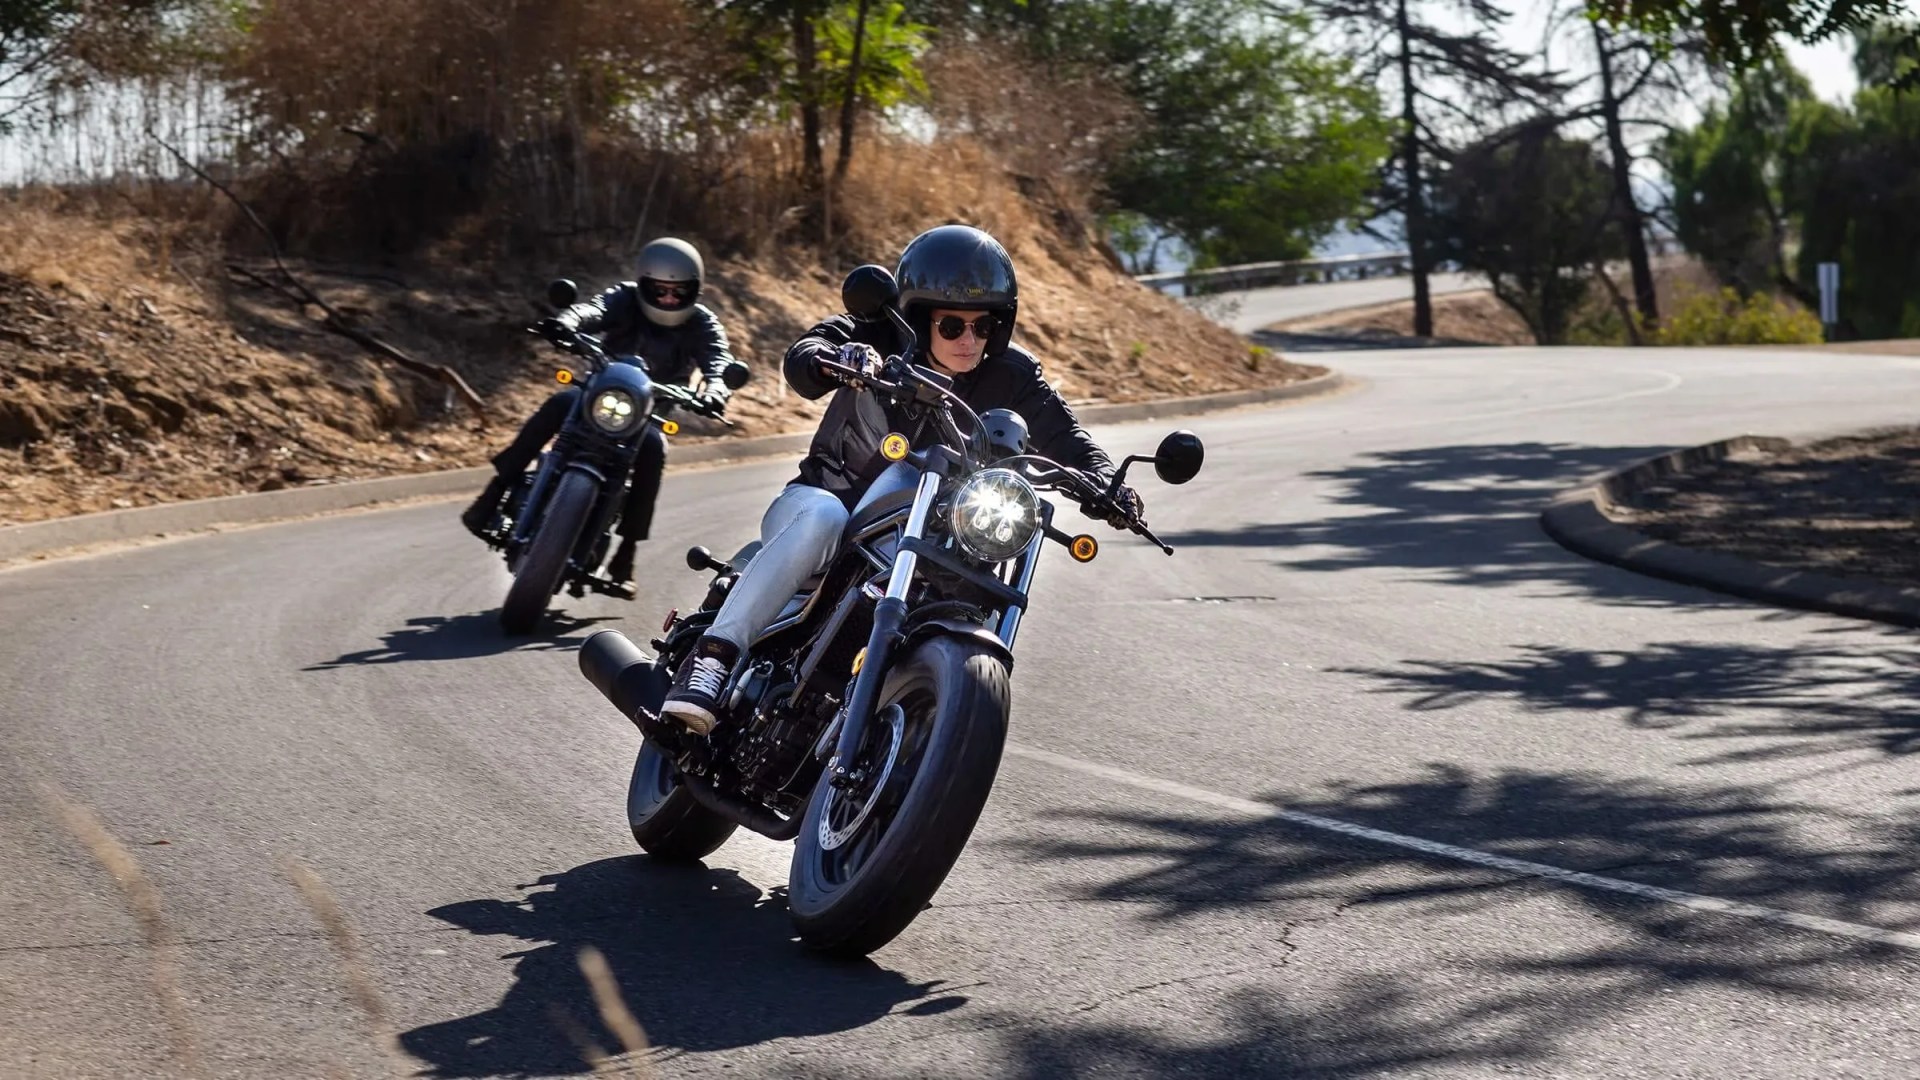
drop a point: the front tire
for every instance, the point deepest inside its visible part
(867, 862)
(668, 822)
(538, 575)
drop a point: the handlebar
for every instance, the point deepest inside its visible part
(906, 383)
(588, 348)
(897, 379)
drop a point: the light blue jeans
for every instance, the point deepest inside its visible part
(800, 534)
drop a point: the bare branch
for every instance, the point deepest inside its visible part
(297, 290)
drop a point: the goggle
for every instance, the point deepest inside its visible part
(952, 326)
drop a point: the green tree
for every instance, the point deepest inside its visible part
(1446, 82)
(1774, 166)
(1256, 143)
(1727, 174)
(1853, 183)
(874, 55)
(1744, 33)
(812, 54)
(1533, 211)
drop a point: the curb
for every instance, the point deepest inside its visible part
(1578, 521)
(38, 539)
(1329, 383)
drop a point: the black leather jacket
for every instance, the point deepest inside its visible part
(845, 455)
(671, 352)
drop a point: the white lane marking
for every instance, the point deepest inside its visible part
(1691, 901)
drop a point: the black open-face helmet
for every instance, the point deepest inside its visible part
(961, 267)
(669, 272)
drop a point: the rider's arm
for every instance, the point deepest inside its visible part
(591, 315)
(710, 352)
(1053, 429)
(802, 366)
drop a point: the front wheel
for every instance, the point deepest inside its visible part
(538, 576)
(667, 821)
(872, 855)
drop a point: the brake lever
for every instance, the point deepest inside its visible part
(1141, 528)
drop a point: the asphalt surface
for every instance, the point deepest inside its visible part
(1363, 627)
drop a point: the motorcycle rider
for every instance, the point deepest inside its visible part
(958, 292)
(655, 317)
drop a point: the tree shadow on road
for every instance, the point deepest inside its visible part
(1458, 515)
(1785, 702)
(1506, 1000)
(465, 637)
(703, 958)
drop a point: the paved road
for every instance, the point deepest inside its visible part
(1258, 308)
(1363, 628)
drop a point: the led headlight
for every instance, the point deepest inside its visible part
(995, 514)
(613, 412)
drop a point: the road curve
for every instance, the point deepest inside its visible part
(1371, 779)
(1256, 309)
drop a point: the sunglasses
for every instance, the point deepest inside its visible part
(679, 292)
(952, 326)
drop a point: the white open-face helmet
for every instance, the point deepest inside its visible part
(668, 273)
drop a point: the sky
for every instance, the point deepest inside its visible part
(1830, 66)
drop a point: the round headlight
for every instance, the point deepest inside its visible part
(614, 412)
(995, 514)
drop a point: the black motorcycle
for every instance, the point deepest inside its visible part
(556, 524)
(868, 720)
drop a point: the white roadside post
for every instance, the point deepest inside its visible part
(1829, 297)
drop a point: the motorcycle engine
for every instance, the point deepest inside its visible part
(770, 751)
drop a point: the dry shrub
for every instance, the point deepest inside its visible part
(393, 127)
(41, 245)
(1040, 120)
(432, 70)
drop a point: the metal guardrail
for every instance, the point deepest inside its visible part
(1312, 271)
(1287, 272)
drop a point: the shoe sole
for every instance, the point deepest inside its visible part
(692, 717)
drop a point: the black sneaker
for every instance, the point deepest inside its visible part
(478, 518)
(694, 701)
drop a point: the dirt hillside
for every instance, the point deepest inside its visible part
(136, 370)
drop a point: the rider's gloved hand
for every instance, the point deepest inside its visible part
(554, 330)
(1120, 509)
(711, 402)
(1129, 505)
(862, 358)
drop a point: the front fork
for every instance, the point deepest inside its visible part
(888, 615)
(530, 508)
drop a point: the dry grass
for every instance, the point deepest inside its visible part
(40, 244)
(353, 967)
(613, 1010)
(143, 900)
(165, 950)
